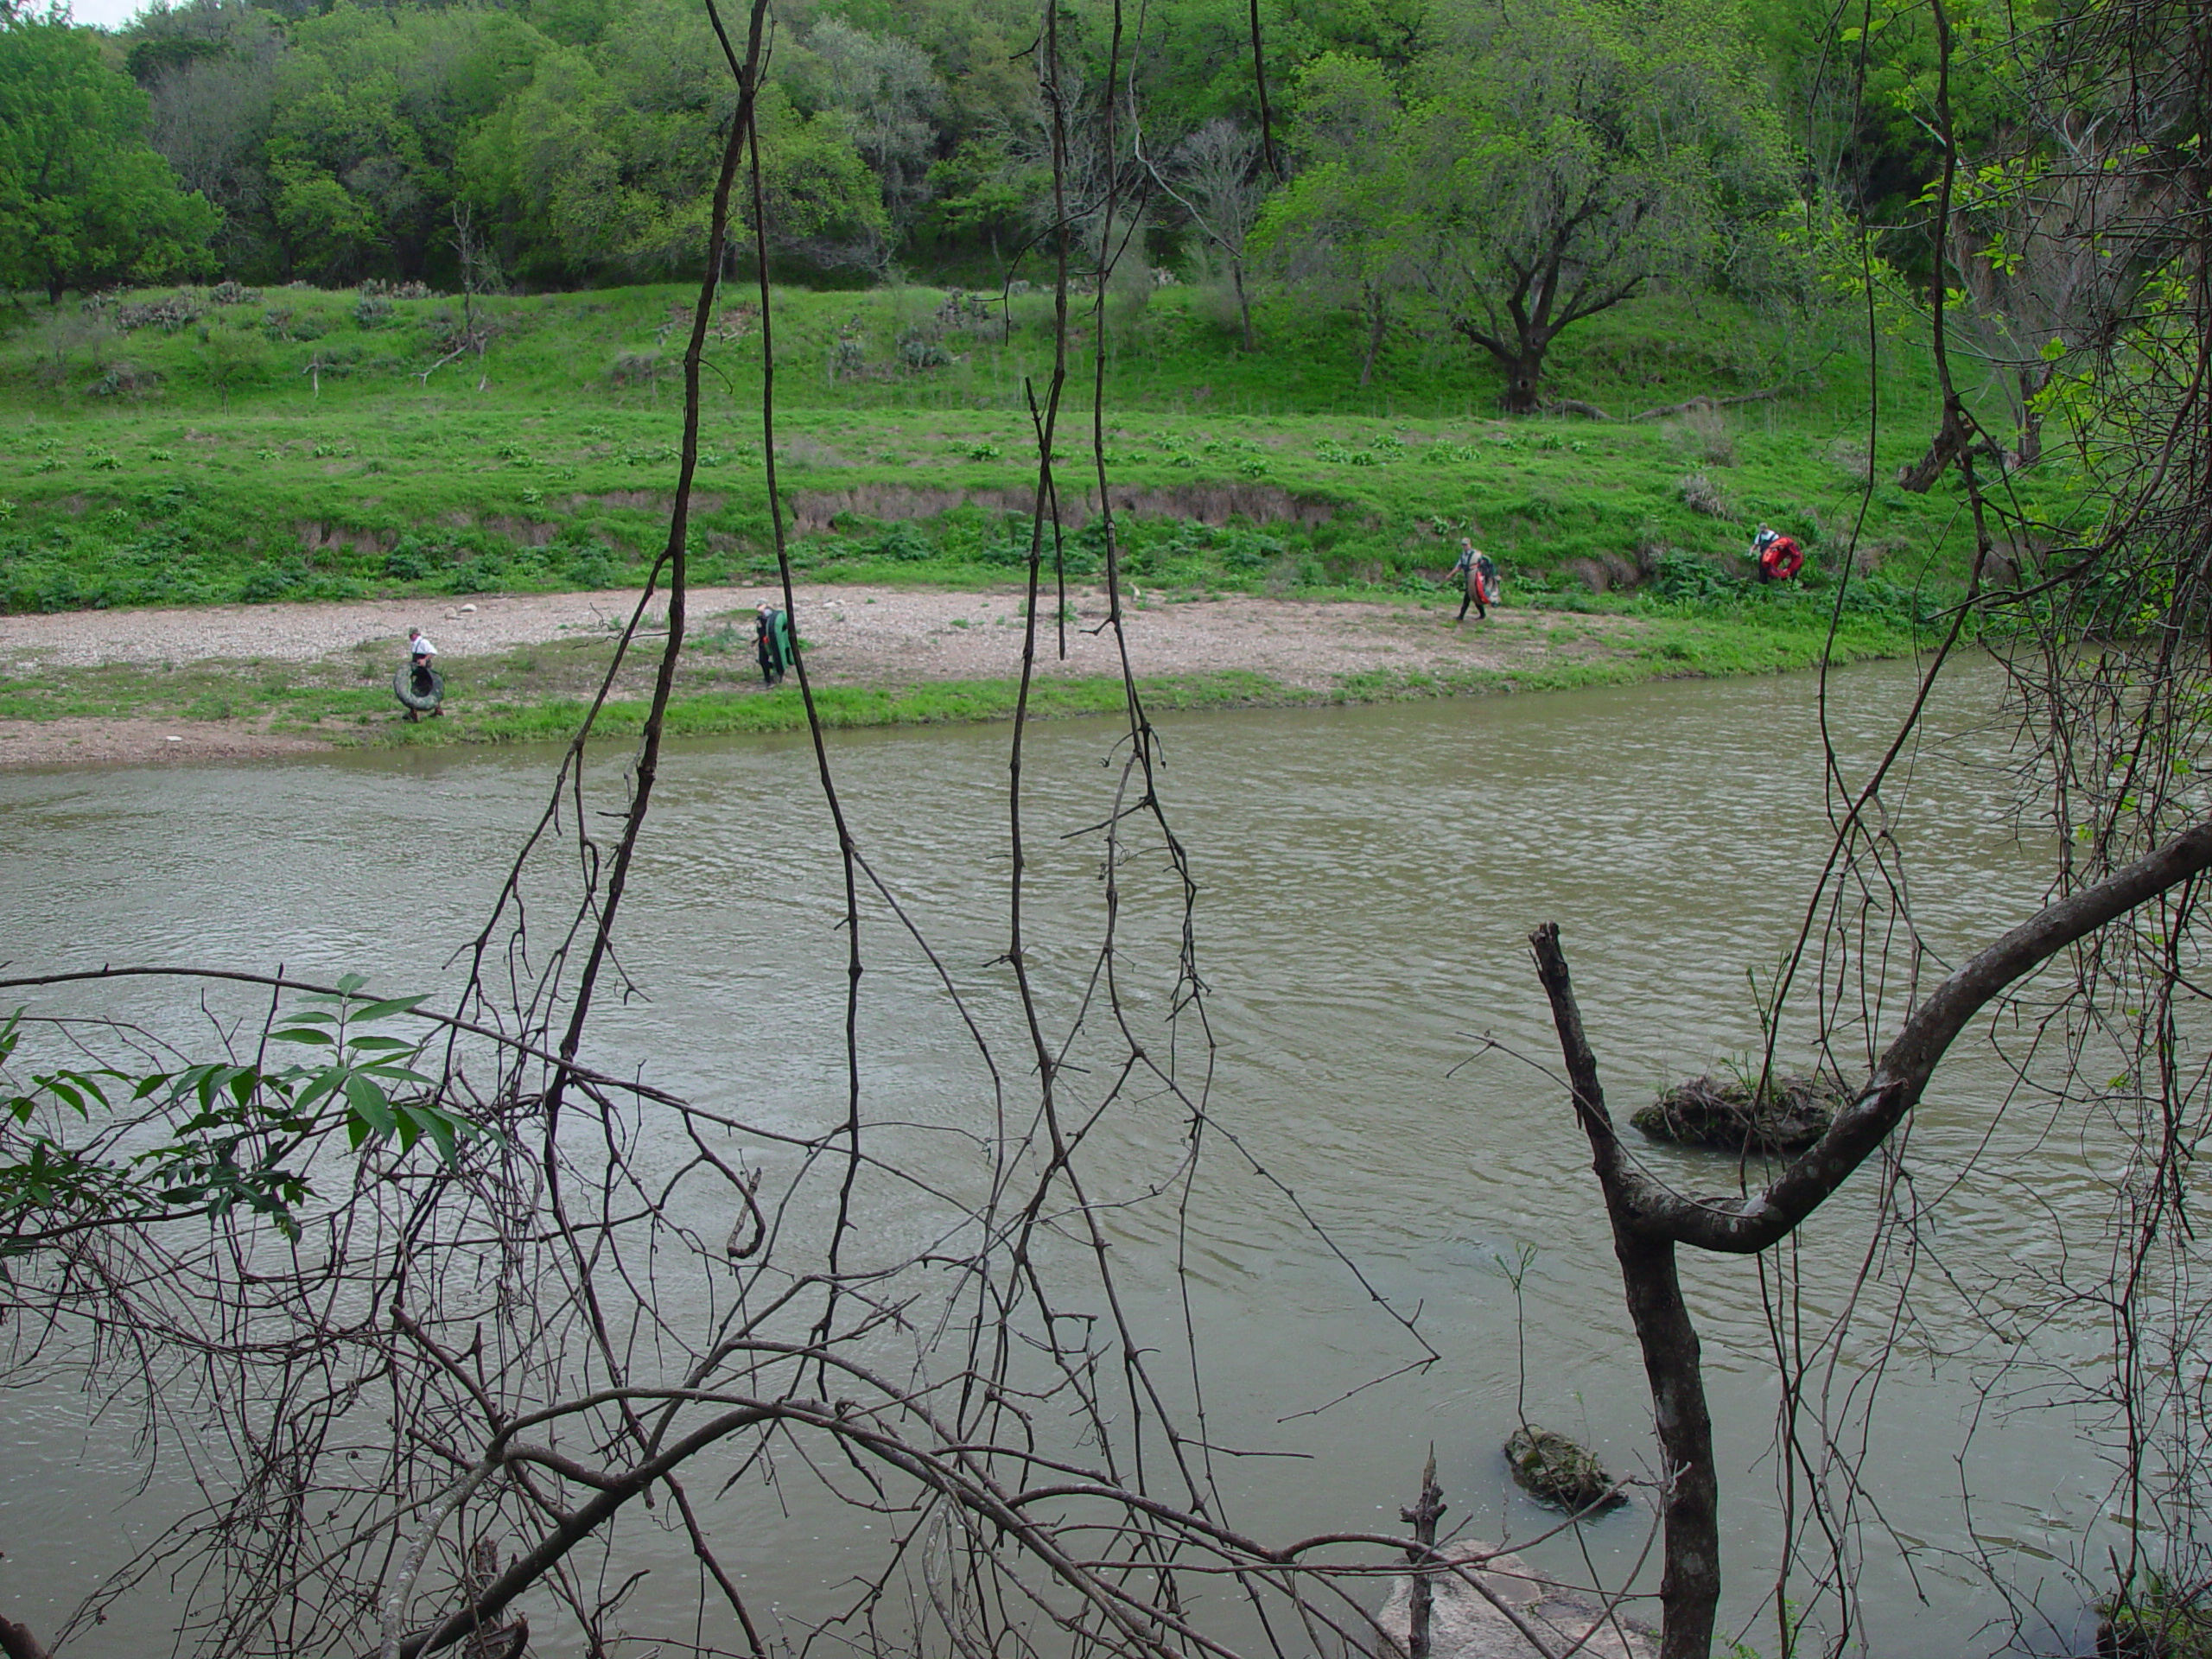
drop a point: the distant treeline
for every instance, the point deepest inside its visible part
(1490, 171)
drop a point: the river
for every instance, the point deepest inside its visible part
(1368, 876)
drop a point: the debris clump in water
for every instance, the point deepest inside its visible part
(1788, 1116)
(1554, 1469)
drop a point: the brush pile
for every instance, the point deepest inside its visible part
(1788, 1116)
(1554, 1470)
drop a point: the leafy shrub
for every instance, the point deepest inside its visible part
(478, 575)
(592, 566)
(1687, 579)
(1244, 550)
(905, 543)
(372, 311)
(266, 582)
(411, 560)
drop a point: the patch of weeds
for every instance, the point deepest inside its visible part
(1701, 494)
(2152, 1619)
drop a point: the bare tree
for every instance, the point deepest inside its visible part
(2104, 694)
(1215, 175)
(439, 1386)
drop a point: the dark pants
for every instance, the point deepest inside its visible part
(1472, 596)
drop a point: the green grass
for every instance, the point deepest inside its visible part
(201, 464)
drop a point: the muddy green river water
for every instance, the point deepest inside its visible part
(1368, 877)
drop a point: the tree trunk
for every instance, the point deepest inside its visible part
(1523, 371)
(1243, 301)
(1950, 442)
(2033, 381)
(1689, 1585)
(1378, 322)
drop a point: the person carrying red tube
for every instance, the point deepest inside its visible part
(1779, 557)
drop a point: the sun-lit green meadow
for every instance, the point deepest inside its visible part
(302, 444)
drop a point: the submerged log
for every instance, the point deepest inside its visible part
(1514, 1604)
(1789, 1115)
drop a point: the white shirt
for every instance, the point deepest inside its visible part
(420, 645)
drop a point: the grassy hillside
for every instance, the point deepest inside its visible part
(202, 445)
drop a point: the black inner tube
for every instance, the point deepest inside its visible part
(421, 689)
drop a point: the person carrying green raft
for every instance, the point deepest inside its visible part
(773, 644)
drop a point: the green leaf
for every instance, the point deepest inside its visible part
(389, 1006)
(405, 1074)
(369, 1104)
(325, 1082)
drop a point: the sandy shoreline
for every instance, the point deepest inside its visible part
(858, 636)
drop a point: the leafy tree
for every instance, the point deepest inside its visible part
(884, 92)
(373, 111)
(603, 166)
(1590, 150)
(979, 190)
(84, 198)
(1552, 159)
(1331, 231)
(212, 105)
(1861, 93)
(977, 48)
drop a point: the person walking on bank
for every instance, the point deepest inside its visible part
(1778, 556)
(765, 646)
(421, 688)
(774, 644)
(1478, 577)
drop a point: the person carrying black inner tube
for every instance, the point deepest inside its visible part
(421, 671)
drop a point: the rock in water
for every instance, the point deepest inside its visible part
(1465, 1624)
(1550, 1466)
(1788, 1117)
